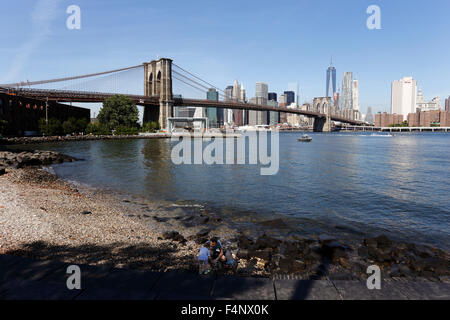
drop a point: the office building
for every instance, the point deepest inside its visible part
(212, 113)
(403, 96)
(331, 81)
(346, 100)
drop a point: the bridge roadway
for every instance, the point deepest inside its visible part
(97, 97)
(29, 279)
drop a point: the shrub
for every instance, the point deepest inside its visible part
(122, 130)
(53, 128)
(151, 126)
(97, 129)
(3, 126)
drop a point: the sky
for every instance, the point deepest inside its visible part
(277, 42)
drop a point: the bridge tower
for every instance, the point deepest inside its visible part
(158, 82)
(323, 106)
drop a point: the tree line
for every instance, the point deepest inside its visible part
(118, 115)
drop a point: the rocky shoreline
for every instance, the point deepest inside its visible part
(21, 159)
(44, 217)
(35, 140)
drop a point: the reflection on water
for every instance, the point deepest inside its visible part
(340, 183)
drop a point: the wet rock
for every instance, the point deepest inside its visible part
(265, 254)
(363, 252)
(289, 266)
(400, 270)
(326, 238)
(158, 219)
(276, 223)
(173, 235)
(245, 242)
(265, 241)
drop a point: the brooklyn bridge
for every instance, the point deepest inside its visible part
(157, 99)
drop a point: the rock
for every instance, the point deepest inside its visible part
(173, 235)
(276, 223)
(363, 252)
(400, 270)
(2, 171)
(326, 238)
(289, 266)
(244, 242)
(333, 250)
(86, 212)
(383, 241)
(265, 254)
(265, 241)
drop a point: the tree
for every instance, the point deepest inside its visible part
(118, 111)
(151, 126)
(69, 126)
(97, 129)
(53, 128)
(3, 126)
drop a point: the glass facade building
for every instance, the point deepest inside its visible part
(331, 82)
(213, 113)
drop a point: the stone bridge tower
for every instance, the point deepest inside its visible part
(323, 106)
(158, 82)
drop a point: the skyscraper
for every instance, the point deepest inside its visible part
(355, 95)
(403, 97)
(213, 113)
(228, 113)
(262, 94)
(238, 115)
(272, 96)
(447, 104)
(347, 95)
(293, 86)
(290, 97)
(331, 81)
(369, 115)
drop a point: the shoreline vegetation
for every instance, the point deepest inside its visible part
(44, 217)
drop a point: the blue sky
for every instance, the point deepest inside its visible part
(277, 42)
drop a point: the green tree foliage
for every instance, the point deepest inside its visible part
(118, 111)
(122, 130)
(3, 126)
(73, 125)
(151, 126)
(97, 129)
(403, 124)
(53, 128)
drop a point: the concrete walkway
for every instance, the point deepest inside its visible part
(23, 278)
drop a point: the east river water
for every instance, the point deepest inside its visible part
(350, 185)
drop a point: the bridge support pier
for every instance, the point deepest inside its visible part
(158, 82)
(322, 124)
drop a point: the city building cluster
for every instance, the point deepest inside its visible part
(409, 107)
(348, 107)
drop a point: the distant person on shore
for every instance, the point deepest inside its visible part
(203, 260)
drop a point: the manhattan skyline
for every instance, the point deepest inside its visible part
(237, 42)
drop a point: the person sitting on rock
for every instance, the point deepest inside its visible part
(217, 251)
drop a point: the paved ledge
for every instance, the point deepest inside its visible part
(22, 278)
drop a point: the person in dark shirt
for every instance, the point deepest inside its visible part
(217, 251)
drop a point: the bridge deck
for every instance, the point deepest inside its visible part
(96, 97)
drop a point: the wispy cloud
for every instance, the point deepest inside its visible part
(44, 12)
